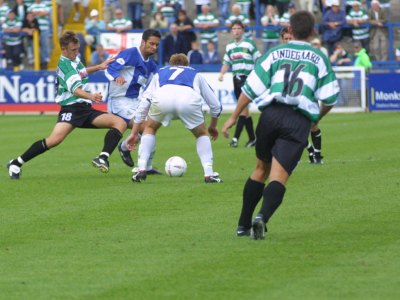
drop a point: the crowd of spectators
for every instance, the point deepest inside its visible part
(342, 22)
(24, 16)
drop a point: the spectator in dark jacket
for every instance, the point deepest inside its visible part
(173, 43)
(332, 22)
(185, 27)
(29, 26)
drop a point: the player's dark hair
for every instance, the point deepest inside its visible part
(150, 32)
(302, 24)
(179, 59)
(237, 22)
(68, 37)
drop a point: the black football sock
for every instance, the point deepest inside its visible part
(250, 128)
(239, 126)
(111, 140)
(272, 198)
(316, 138)
(310, 148)
(252, 193)
(36, 149)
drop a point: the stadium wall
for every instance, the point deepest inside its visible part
(34, 91)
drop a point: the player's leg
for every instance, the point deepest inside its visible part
(117, 127)
(272, 198)
(316, 138)
(58, 134)
(205, 153)
(123, 148)
(241, 122)
(250, 130)
(146, 148)
(310, 149)
(252, 193)
(189, 109)
(150, 170)
(125, 109)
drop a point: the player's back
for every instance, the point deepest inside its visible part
(295, 74)
(177, 75)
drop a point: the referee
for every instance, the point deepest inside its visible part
(241, 53)
(286, 84)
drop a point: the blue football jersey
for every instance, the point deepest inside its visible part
(177, 75)
(187, 77)
(137, 71)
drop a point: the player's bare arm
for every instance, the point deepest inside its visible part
(96, 97)
(212, 129)
(101, 66)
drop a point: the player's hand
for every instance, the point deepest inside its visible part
(132, 141)
(213, 131)
(105, 63)
(228, 124)
(221, 77)
(97, 97)
(120, 80)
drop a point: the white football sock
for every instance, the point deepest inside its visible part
(123, 146)
(146, 146)
(204, 150)
(150, 161)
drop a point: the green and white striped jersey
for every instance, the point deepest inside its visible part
(359, 33)
(270, 35)
(208, 34)
(71, 75)
(166, 10)
(295, 74)
(3, 12)
(13, 39)
(120, 23)
(241, 56)
(44, 21)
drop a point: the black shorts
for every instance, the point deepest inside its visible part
(282, 133)
(238, 82)
(79, 115)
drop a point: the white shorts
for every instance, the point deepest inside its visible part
(173, 102)
(123, 107)
(85, 3)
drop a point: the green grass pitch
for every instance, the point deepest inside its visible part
(68, 231)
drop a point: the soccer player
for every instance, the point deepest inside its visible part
(75, 98)
(241, 53)
(177, 91)
(314, 148)
(132, 69)
(292, 78)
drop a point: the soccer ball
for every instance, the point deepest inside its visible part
(175, 166)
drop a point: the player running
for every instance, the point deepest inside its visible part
(287, 84)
